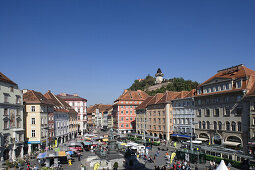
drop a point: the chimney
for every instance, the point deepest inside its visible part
(75, 94)
(126, 90)
(49, 91)
(24, 91)
(139, 90)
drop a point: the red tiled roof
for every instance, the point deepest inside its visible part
(156, 98)
(5, 79)
(144, 104)
(168, 96)
(182, 94)
(59, 103)
(32, 96)
(129, 95)
(70, 97)
(231, 73)
(251, 86)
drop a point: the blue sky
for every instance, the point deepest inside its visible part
(98, 48)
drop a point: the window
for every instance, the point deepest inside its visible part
(33, 133)
(159, 127)
(238, 84)
(217, 112)
(121, 106)
(208, 124)
(227, 86)
(79, 110)
(203, 124)
(227, 113)
(227, 126)
(200, 125)
(239, 128)
(233, 124)
(121, 112)
(207, 112)
(18, 100)
(254, 121)
(238, 111)
(131, 118)
(6, 112)
(18, 124)
(11, 89)
(154, 120)
(215, 125)
(6, 98)
(6, 124)
(199, 113)
(121, 118)
(127, 125)
(220, 125)
(33, 121)
(158, 120)
(238, 98)
(126, 118)
(164, 121)
(159, 113)
(32, 108)
(18, 112)
(126, 112)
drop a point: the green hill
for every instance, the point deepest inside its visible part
(176, 84)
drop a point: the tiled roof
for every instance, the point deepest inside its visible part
(104, 107)
(182, 94)
(91, 108)
(133, 95)
(32, 96)
(191, 93)
(5, 79)
(144, 104)
(231, 73)
(156, 98)
(251, 86)
(70, 97)
(59, 102)
(168, 96)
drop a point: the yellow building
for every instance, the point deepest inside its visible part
(36, 111)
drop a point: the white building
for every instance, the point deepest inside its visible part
(79, 104)
(11, 118)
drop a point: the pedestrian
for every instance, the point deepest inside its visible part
(79, 156)
(196, 168)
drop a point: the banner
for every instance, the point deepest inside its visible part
(172, 157)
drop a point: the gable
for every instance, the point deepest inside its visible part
(217, 80)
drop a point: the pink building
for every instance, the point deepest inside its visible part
(124, 110)
(79, 104)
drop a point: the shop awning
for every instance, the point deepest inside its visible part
(202, 139)
(229, 143)
(181, 136)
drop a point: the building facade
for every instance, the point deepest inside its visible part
(141, 116)
(222, 111)
(79, 104)
(36, 110)
(11, 116)
(61, 118)
(184, 113)
(124, 110)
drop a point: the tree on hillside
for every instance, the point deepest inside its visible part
(176, 84)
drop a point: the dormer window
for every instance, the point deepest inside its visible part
(209, 90)
(227, 86)
(238, 84)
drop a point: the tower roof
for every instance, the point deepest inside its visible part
(159, 71)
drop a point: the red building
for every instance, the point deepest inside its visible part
(124, 110)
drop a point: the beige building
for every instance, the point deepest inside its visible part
(223, 110)
(36, 111)
(159, 115)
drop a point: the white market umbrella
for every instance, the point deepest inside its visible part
(222, 166)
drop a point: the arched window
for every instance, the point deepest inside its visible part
(200, 125)
(233, 125)
(239, 126)
(227, 126)
(220, 125)
(208, 124)
(215, 125)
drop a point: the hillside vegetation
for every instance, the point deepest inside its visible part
(176, 84)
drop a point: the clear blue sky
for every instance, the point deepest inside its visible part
(97, 48)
